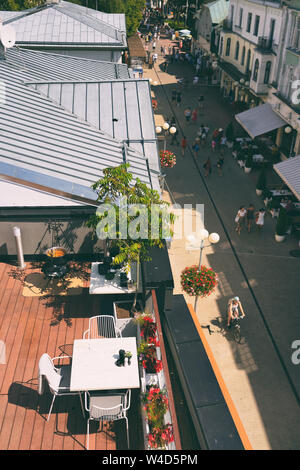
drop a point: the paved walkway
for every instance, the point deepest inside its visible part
(263, 382)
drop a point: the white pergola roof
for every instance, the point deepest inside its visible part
(289, 172)
(260, 120)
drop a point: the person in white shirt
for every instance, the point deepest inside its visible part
(260, 218)
(240, 219)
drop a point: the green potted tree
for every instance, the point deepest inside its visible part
(282, 225)
(248, 163)
(261, 182)
(139, 219)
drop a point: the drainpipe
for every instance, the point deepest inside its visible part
(17, 235)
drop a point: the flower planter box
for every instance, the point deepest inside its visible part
(156, 380)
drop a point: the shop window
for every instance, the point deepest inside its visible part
(255, 70)
(267, 72)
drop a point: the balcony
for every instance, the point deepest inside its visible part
(265, 44)
(227, 25)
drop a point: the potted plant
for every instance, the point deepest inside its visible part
(118, 193)
(160, 433)
(261, 182)
(248, 163)
(148, 358)
(282, 225)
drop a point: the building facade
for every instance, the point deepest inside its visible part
(259, 59)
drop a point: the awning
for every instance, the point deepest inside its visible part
(289, 172)
(259, 120)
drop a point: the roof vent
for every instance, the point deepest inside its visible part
(52, 2)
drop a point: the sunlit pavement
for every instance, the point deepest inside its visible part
(259, 373)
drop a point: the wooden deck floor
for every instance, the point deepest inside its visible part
(30, 326)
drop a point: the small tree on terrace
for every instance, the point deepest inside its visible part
(131, 217)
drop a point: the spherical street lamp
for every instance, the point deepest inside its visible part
(214, 238)
(172, 130)
(288, 130)
(158, 129)
(166, 126)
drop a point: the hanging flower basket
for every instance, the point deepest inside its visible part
(197, 282)
(167, 158)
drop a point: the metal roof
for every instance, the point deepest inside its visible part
(36, 65)
(120, 108)
(68, 24)
(49, 148)
(289, 172)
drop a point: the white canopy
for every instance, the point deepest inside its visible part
(260, 120)
(289, 172)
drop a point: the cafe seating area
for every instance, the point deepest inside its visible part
(57, 360)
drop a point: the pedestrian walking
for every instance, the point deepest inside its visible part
(220, 163)
(165, 66)
(200, 102)
(175, 137)
(174, 96)
(196, 147)
(213, 145)
(223, 144)
(194, 116)
(170, 50)
(250, 216)
(154, 45)
(240, 219)
(178, 98)
(154, 57)
(187, 114)
(183, 145)
(260, 218)
(207, 167)
(195, 80)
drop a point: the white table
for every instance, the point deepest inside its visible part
(94, 365)
(281, 192)
(100, 285)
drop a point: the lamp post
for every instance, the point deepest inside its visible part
(165, 129)
(203, 235)
(288, 130)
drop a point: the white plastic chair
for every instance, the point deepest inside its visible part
(102, 326)
(58, 379)
(107, 407)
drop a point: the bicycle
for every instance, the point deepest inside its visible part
(236, 329)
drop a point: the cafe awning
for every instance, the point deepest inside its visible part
(260, 120)
(289, 172)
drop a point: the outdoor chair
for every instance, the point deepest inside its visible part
(107, 407)
(102, 326)
(58, 379)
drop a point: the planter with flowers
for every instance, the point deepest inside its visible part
(167, 158)
(156, 407)
(198, 281)
(157, 423)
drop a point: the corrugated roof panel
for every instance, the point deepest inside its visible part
(289, 171)
(94, 29)
(45, 145)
